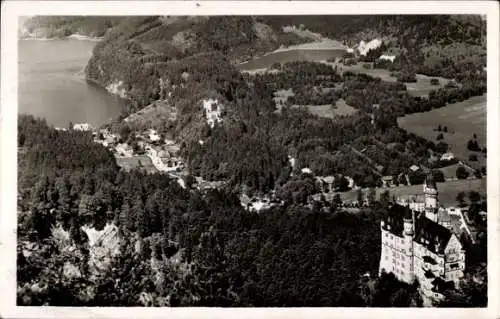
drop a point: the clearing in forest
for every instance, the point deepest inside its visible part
(140, 161)
(462, 120)
(420, 88)
(341, 108)
(448, 191)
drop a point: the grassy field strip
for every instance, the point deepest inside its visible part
(462, 120)
(447, 191)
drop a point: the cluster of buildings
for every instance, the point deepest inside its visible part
(256, 204)
(420, 242)
(326, 184)
(213, 111)
(163, 155)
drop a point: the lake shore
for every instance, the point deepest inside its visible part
(76, 36)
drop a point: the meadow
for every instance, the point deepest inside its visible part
(341, 108)
(266, 61)
(140, 161)
(447, 191)
(462, 119)
(420, 88)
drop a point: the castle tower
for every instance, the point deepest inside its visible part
(408, 222)
(407, 245)
(431, 198)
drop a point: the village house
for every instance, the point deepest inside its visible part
(325, 183)
(387, 181)
(306, 170)
(447, 156)
(387, 57)
(82, 127)
(414, 168)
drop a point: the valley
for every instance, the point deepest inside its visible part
(235, 174)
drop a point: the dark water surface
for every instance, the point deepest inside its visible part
(52, 83)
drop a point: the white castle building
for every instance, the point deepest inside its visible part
(419, 244)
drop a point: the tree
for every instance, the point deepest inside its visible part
(462, 172)
(125, 132)
(472, 145)
(474, 197)
(441, 147)
(434, 81)
(473, 157)
(385, 198)
(483, 170)
(440, 137)
(337, 200)
(371, 196)
(341, 184)
(438, 175)
(461, 199)
(359, 196)
(477, 174)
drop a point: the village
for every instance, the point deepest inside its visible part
(163, 156)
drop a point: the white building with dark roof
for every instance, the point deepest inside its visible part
(420, 244)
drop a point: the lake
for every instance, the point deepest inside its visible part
(52, 83)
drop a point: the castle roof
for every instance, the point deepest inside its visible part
(393, 221)
(428, 233)
(431, 235)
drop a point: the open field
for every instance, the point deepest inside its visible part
(450, 171)
(423, 85)
(329, 111)
(420, 88)
(153, 115)
(289, 55)
(129, 163)
(447, 191)
(462, 119)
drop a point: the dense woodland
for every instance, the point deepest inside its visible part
(183, 247)
(62, 26)
(230, 257)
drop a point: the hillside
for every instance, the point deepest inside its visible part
(140, 49)
(187, 61)
(63, 26)
(273, 135)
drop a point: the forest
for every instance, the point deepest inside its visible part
(185, 247)
(228, 256)
(63, 26)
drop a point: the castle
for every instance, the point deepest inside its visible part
(418, 243)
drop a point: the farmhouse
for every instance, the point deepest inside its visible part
(387, 57)
(306, 170)
(325, 183)
(387, 181)
(153, 136)
(82, 127)
(364, 47)
(447, 156)
(414, 168)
